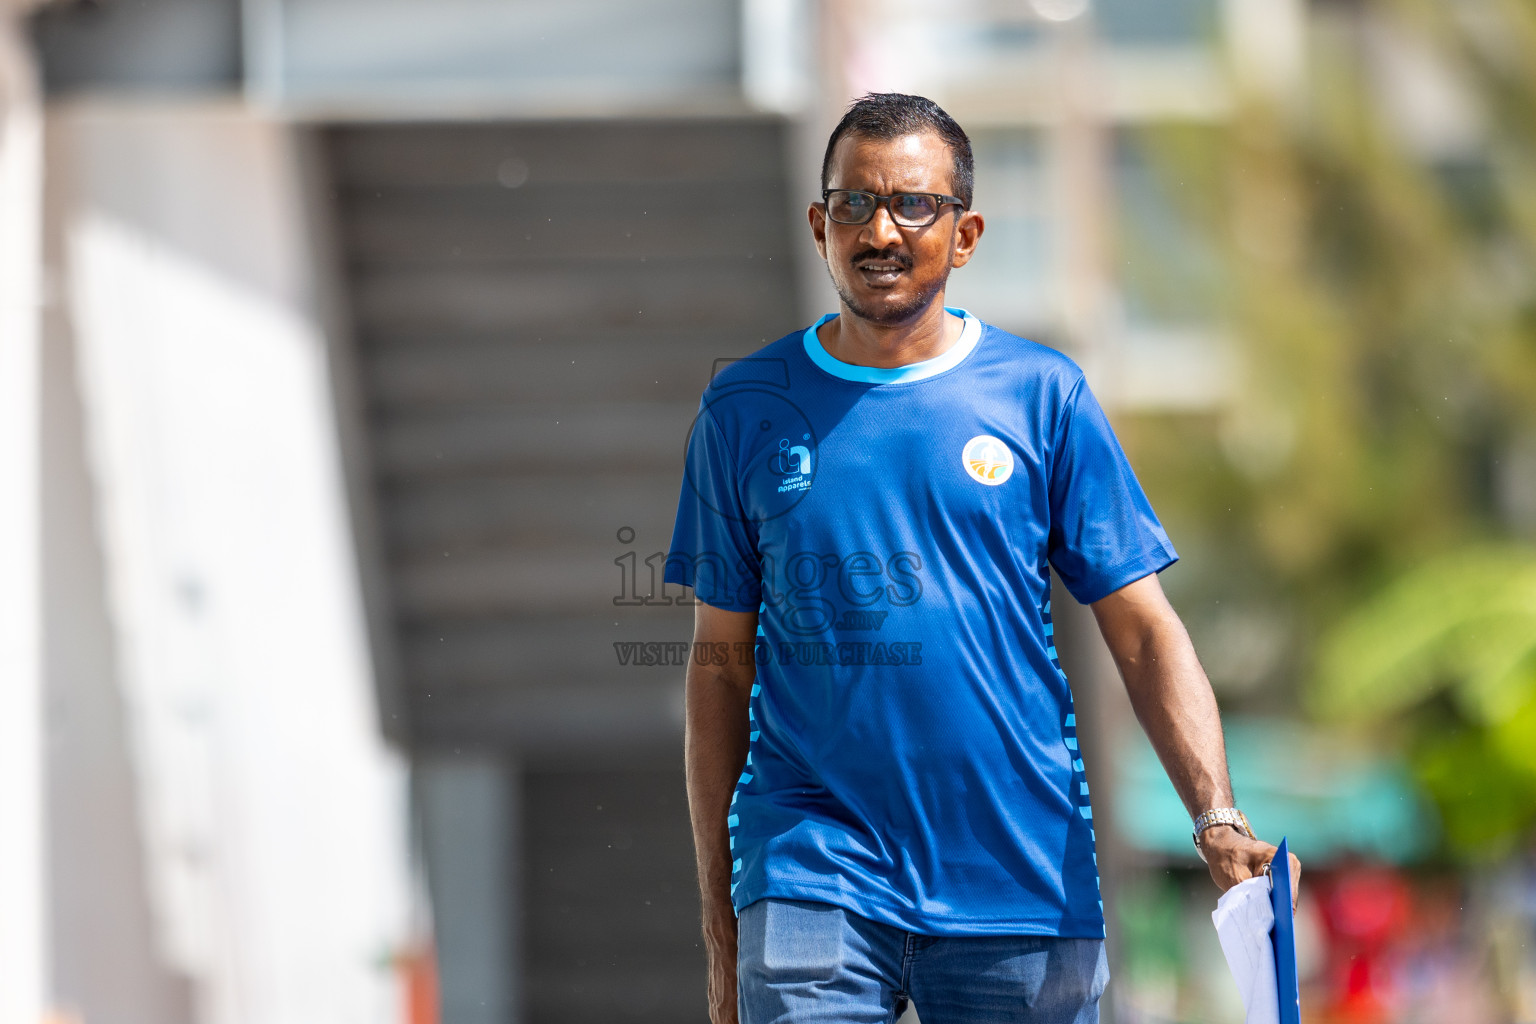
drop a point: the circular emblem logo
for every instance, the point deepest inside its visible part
(987, 459)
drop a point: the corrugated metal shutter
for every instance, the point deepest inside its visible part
(537, 308)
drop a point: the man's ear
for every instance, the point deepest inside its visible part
(968, 229)
(817, 213)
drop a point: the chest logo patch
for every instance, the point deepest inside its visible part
(987, 459)
(794, 463)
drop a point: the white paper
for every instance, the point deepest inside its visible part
(1243, 919)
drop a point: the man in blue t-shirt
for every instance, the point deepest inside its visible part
(887, 795)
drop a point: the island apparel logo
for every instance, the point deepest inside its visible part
(777, 441)
(987, 459)
(793, 462)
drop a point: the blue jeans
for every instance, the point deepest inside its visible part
(801, 962)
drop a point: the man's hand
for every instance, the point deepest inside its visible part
(1233, 857)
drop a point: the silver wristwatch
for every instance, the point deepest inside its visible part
(1221, 816)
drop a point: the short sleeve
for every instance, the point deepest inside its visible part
(1103, 533)
(714, 541)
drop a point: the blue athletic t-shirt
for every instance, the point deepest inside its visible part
(913, 751)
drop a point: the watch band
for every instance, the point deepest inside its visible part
(1220, 816)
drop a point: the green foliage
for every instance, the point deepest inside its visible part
(1464, 622)
(1462, 627)
(1380, 287)
(1484, 805)
(1150, 927)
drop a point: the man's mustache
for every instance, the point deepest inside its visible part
(892, 255)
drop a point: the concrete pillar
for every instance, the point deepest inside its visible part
(468, 814)
(22, 942)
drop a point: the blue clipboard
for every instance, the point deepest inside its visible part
(1283, 937)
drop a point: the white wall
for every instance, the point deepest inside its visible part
(101, 927)
(271, 815)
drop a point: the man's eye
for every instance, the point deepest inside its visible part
(858, 202)
(913, 205)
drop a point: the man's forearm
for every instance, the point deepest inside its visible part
(1174, 703)
(715, 749)
(1169, 692)
(1173, 700)
(715, 738)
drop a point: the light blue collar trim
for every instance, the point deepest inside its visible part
(970, 334)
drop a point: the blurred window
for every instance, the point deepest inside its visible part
(1167, 23)
(1167, 265)
(155, 46)
(1010, 279)
(526, 52)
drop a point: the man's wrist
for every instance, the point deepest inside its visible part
(1221, 837)
(1217, 820)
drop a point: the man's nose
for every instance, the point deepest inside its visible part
(880, 231)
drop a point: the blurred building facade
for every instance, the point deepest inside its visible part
(370, 337)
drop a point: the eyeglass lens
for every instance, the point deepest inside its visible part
(909, 209)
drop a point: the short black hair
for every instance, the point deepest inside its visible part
(891, 115)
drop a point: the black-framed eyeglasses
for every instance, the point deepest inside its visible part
(908, 209)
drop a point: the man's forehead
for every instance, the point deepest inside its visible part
(921, 163)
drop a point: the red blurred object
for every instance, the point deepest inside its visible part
(418, 969)
(1366, 912)
(1369, 906)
